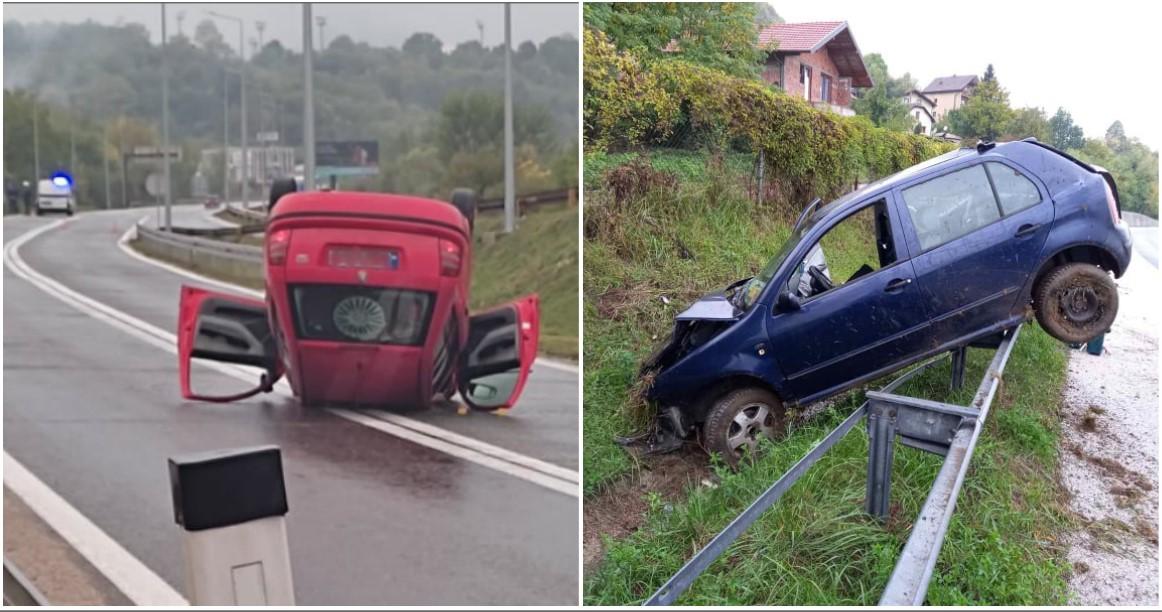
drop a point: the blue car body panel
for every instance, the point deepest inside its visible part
(921, 304)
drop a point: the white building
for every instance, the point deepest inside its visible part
(922, 108)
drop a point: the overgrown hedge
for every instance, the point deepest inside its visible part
(630, 103)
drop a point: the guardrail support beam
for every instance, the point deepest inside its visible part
(959, 360)
(881, 431)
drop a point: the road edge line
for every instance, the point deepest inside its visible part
(127, 573)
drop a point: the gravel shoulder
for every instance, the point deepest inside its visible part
(1109, 459)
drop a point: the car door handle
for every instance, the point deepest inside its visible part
(1027, 229)
(897, 284)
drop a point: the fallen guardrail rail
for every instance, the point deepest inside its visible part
(250, 214)
(225, 231)
(936, 427)
(19, 590)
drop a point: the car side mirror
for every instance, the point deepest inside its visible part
(788, 302)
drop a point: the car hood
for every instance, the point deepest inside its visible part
(713, 307)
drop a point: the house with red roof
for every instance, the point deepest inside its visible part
(818, 61)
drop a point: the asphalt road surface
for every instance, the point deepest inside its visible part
(94, 412)
(1146, 244)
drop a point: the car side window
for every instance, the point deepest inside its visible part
(950, 206)
(858, 245)
(1014, 190)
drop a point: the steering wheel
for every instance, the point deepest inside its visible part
(819, 280)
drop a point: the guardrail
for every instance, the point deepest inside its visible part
(240, 261)
(19, 590)
(531, 200)
(935, 427)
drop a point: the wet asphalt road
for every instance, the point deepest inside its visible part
(374, 519)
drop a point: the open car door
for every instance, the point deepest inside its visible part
(502, 345)
(225, 328)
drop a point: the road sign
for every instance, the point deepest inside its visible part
(266, 137)
(148, 153)
(154, 184)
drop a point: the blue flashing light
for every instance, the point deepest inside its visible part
(62, 179)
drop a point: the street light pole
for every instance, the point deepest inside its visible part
(35, 142)
(509, 178)
(225, 136)
(242, 94)
(308, 102)
(105, 161)
(165, 123)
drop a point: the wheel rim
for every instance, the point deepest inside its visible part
(1080, 304)
(751, 422)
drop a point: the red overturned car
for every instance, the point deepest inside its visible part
(366, 304)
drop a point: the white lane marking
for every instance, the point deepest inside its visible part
(508, 462)
(132, 577)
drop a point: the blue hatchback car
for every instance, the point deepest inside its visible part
(947, 253)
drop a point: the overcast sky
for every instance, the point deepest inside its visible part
(378, 24)
(1099, 60)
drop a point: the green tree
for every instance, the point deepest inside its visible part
(985, 115)
(1116, 137)
(884, 102)
(1026, 122)
(1063, 134)
(717, 35)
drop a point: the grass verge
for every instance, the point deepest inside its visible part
(816, 546)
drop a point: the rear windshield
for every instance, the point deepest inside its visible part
(367, 315)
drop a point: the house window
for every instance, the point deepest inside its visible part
(825, 88)
(805, 80)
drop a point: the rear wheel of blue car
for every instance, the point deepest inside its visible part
(739, 419)
(1076, 302)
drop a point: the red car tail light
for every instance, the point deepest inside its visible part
(277, 245)
(450, 258)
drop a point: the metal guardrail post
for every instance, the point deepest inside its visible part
(959, 360)
(881, 431)
(908, 584)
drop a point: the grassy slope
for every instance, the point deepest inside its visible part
(815, 546)
(542, 257)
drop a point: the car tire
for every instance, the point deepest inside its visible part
(279, 188)
(737, 420)
(1076, 302)
(465, 201)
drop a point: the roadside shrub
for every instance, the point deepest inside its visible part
(637, 178)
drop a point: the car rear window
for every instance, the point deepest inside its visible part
(354, 313)
(950, 206)
(1015, 192)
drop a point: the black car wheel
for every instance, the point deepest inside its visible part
(1076, 302)
(465, 201)
(739, 419)
(280, 188)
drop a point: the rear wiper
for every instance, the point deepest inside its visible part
(806, 213)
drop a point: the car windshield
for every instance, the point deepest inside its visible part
(750, 292)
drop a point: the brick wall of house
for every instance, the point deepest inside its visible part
(820, 63)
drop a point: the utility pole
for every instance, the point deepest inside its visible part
(181, 17)
(509, 178)
(260, 26)
(165, 122)
(480, 26)
(322, 21)
(308, 103)
(35, 143)
(225, 136)
(72, 140)
(105, 162)
(242, 95)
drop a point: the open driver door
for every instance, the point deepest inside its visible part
(229, 329)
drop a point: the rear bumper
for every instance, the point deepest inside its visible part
(63, 205)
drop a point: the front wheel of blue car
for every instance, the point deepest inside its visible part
(739, 419)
